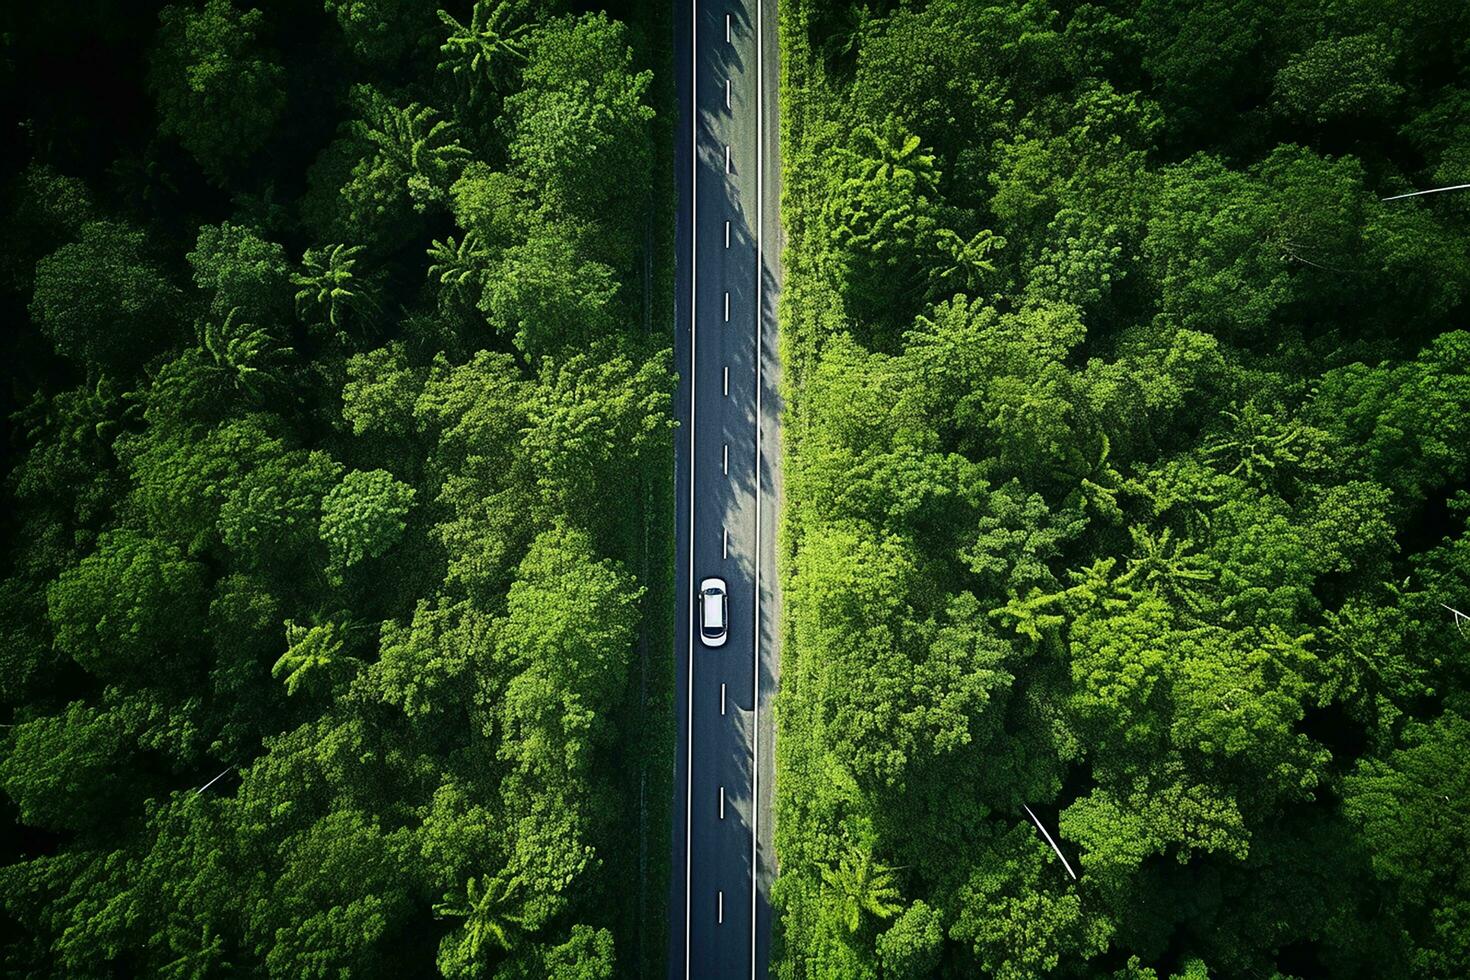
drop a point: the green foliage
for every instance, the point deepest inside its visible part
(1231, 249)
(565, 640)
(1339, 78)
(570, 618)
(581, 129)
(363, 517)
(1405, 421)
(484, 50)
(911, 947)
(238, 268)
(355, 195)
(476, 412)
(269, 519)
(63, 771)
(1124, 480)
(129, 609)
(597, 425)
(380, 392)
(66, 463)
(544, 295)
(1017, 918)
(329, 290)
(586, 955)
(423, 667)
(881, 215)
(341, 885)
(420, 149)
(182, 474)
(45, 208)
(1202, 56)
(1411, 810)
(102, 301)
(381, 31)
(218, 92)
(329, 629)
(488, 204)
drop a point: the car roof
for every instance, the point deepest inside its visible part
(714, 610)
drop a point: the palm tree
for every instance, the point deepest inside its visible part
(329, 283)
(484, 908)
(1034, 614)
(246, 355)
(863, 885)
(969, 261)
(90, 414)
(201, 956)
(313, 658)
(413, 137)
(844, 35)
(1257, 443)
(457, 268)
(484, 48)
(1165, 566)
(1098, 487)
(895, 154)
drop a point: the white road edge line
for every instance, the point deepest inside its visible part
(755, 754)
(693, 334)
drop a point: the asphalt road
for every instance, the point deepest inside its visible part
(728, 449)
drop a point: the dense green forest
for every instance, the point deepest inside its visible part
(338, 517)
(1128, 480)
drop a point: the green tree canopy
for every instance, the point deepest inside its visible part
(219, 92)
(102, 300)
(238, 268)
(363, 517)
(130, 609)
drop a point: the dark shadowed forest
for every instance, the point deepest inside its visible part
(337, 516)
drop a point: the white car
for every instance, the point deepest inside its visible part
(714, 612)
